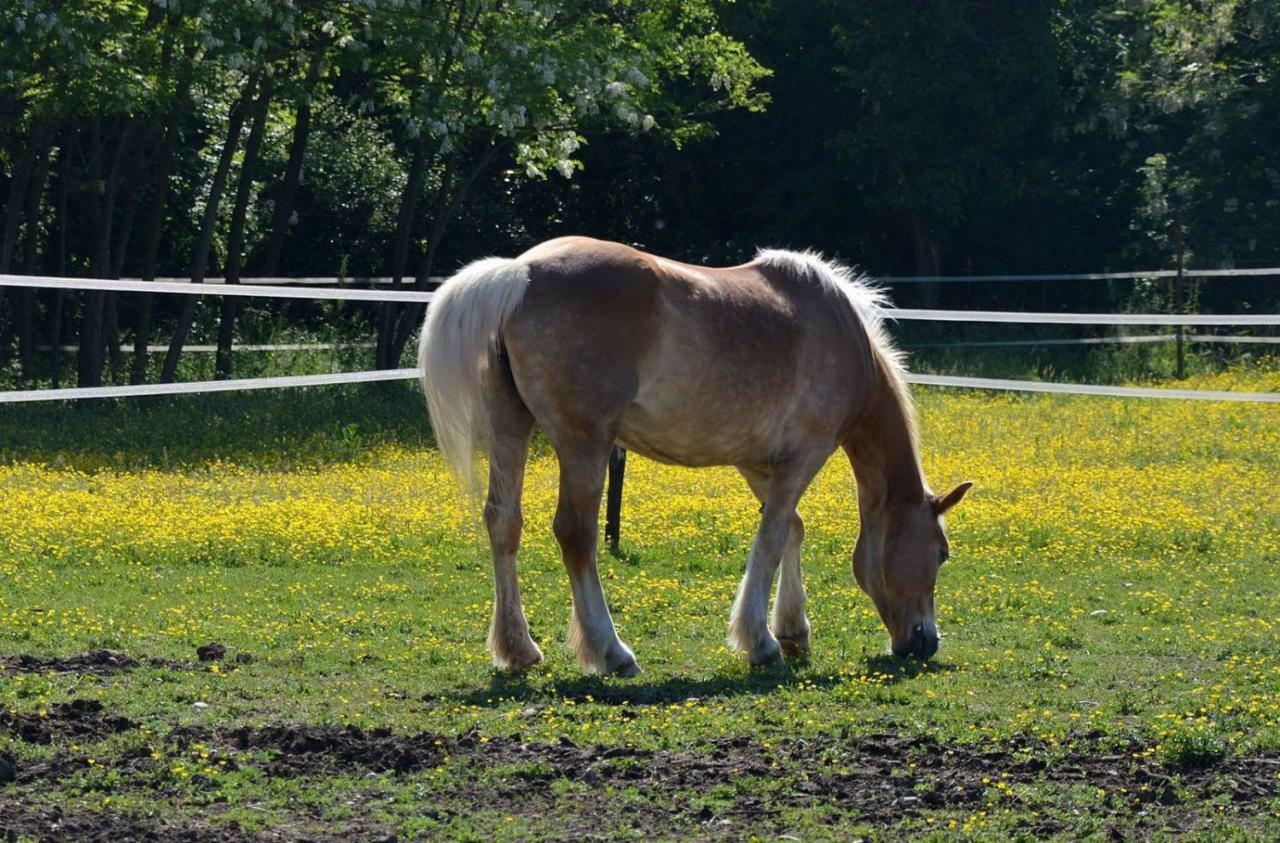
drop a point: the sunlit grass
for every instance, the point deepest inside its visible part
(1114, 573)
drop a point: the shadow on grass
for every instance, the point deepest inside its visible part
(677, 689)
(899, 670)
(270, 429)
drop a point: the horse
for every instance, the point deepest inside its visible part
(769, 366)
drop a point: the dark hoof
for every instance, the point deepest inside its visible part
(795, 649)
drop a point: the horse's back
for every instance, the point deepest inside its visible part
(692, 365)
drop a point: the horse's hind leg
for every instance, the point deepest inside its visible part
(592, 637)
(790, 624)
(511, 424)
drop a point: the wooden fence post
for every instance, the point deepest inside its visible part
(613, 498)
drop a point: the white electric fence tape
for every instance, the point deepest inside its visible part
(347, 294)
(23, 396)
(1080, 276)
(257, 291)
(186, 288)
(1117, 340)
(1094, 389)
(1030, 318)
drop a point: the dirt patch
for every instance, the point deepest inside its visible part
(82, 720)
(318, 750)
(885, 778)
(94, 662)
(889, 777)
(53, 823)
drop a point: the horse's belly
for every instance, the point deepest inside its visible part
(688, 435)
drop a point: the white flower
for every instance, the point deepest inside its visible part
(648, 122)
(626, 113)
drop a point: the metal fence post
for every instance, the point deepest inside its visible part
(613, 499)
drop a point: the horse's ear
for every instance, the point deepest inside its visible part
(942, 503)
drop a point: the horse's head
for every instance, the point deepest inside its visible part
(900, 549)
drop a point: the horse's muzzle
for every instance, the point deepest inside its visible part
(922, 643)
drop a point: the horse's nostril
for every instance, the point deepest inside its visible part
(927, 647)
(922, 644)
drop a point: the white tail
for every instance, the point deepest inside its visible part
(460, 333)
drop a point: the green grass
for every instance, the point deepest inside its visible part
(1112, 596)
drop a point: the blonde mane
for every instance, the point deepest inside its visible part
(869, 302)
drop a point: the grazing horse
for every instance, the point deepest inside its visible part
(768, 367)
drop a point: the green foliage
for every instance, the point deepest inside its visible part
(948, 137)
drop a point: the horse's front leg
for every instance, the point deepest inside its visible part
(748, 628)
(790, 625)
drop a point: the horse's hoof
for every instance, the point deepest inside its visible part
(626, 670)
(519, 662)
(795, 649)
(767, 653)
(622, 663)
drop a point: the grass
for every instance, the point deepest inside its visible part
(1111, 594)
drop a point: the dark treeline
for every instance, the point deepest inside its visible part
(194, 138)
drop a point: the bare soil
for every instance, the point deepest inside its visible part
(883, 779)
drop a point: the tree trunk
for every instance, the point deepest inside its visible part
(927, 259)
(26, 303)
(15, 203)
(283, 211)
(400, 248)
(235, 239)
(208, 222)
(59, 265)
(154, 231)
(152, 236)
(120, 255)
(17, 196)
(90, 344)
(90, 357)
(446, 202)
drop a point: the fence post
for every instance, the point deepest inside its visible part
(613, 499)
(1178, 303)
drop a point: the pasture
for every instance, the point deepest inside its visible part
(1108, 663)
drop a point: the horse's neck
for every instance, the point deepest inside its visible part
(883, 452)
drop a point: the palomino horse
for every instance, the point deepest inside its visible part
(769, 367)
